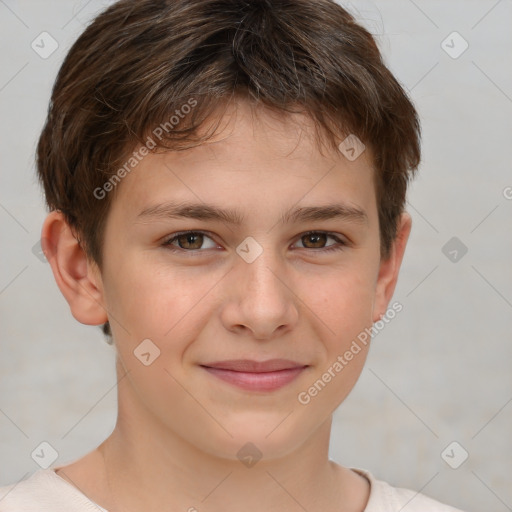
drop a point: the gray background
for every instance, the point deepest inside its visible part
(438, 373)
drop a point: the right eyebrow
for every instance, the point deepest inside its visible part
(200, 211)
(203, 211)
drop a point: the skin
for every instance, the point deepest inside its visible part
(179, 428)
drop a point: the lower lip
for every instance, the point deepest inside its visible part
(263, 381)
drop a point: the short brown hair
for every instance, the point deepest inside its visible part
(140, 61)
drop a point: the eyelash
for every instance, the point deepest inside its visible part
(341, 244)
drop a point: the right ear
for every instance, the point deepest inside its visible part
(78, 279)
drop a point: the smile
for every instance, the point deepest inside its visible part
(257, 381)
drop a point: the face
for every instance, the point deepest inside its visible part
(276, 256)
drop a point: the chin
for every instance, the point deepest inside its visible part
(258, 438)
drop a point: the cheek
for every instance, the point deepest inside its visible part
(155, 302)
(343, 309)
(342, 302)
(162, 313)
(150, 298)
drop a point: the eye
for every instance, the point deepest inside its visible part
(188, 241)
(193, 241)
(318, 239)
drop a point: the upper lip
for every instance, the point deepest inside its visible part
(248, 365)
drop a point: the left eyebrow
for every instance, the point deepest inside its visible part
(328, 212)
(203, 211)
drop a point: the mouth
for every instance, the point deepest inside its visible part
(254, 375)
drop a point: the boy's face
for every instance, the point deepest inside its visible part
(257, 290)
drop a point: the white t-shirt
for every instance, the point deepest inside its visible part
(45, 491)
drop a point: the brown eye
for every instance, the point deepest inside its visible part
(319, 239)
(314, 240)
(190, 241)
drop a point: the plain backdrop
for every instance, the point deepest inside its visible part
(439, 373)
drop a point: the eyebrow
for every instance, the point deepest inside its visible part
(203, 211)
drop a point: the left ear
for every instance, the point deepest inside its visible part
(389, 268)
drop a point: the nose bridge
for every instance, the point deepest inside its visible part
(260, 299)
(261, 266)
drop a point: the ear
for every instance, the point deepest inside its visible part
(78, 279)
(389, 268)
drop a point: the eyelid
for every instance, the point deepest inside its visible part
(168, 239)
(341, 241)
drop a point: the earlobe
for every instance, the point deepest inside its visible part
(390, 267)
(78, 280)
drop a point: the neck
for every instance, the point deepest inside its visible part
(149, 467)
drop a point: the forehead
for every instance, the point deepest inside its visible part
(257, 156)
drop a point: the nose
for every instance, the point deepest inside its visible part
(260, 301)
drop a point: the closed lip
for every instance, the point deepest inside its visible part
(250, 366)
